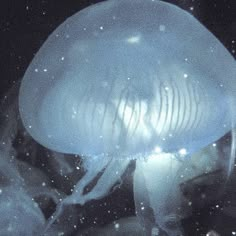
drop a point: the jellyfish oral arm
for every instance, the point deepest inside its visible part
(157, 193)
(160, 181)
(112, 170)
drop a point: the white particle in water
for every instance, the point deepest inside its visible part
(157, 149)
(162, 28)
(182, 151)
(117, 226)
(133, 39)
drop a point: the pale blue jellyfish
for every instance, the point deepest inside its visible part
(130, 79)
(20, 215)
(17, 208)
(25, 191)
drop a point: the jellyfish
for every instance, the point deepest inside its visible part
(25, 190)
(16, 206)
(17, 210)
(130, 80)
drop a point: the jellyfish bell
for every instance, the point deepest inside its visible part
(123, 79)
(108, 80)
